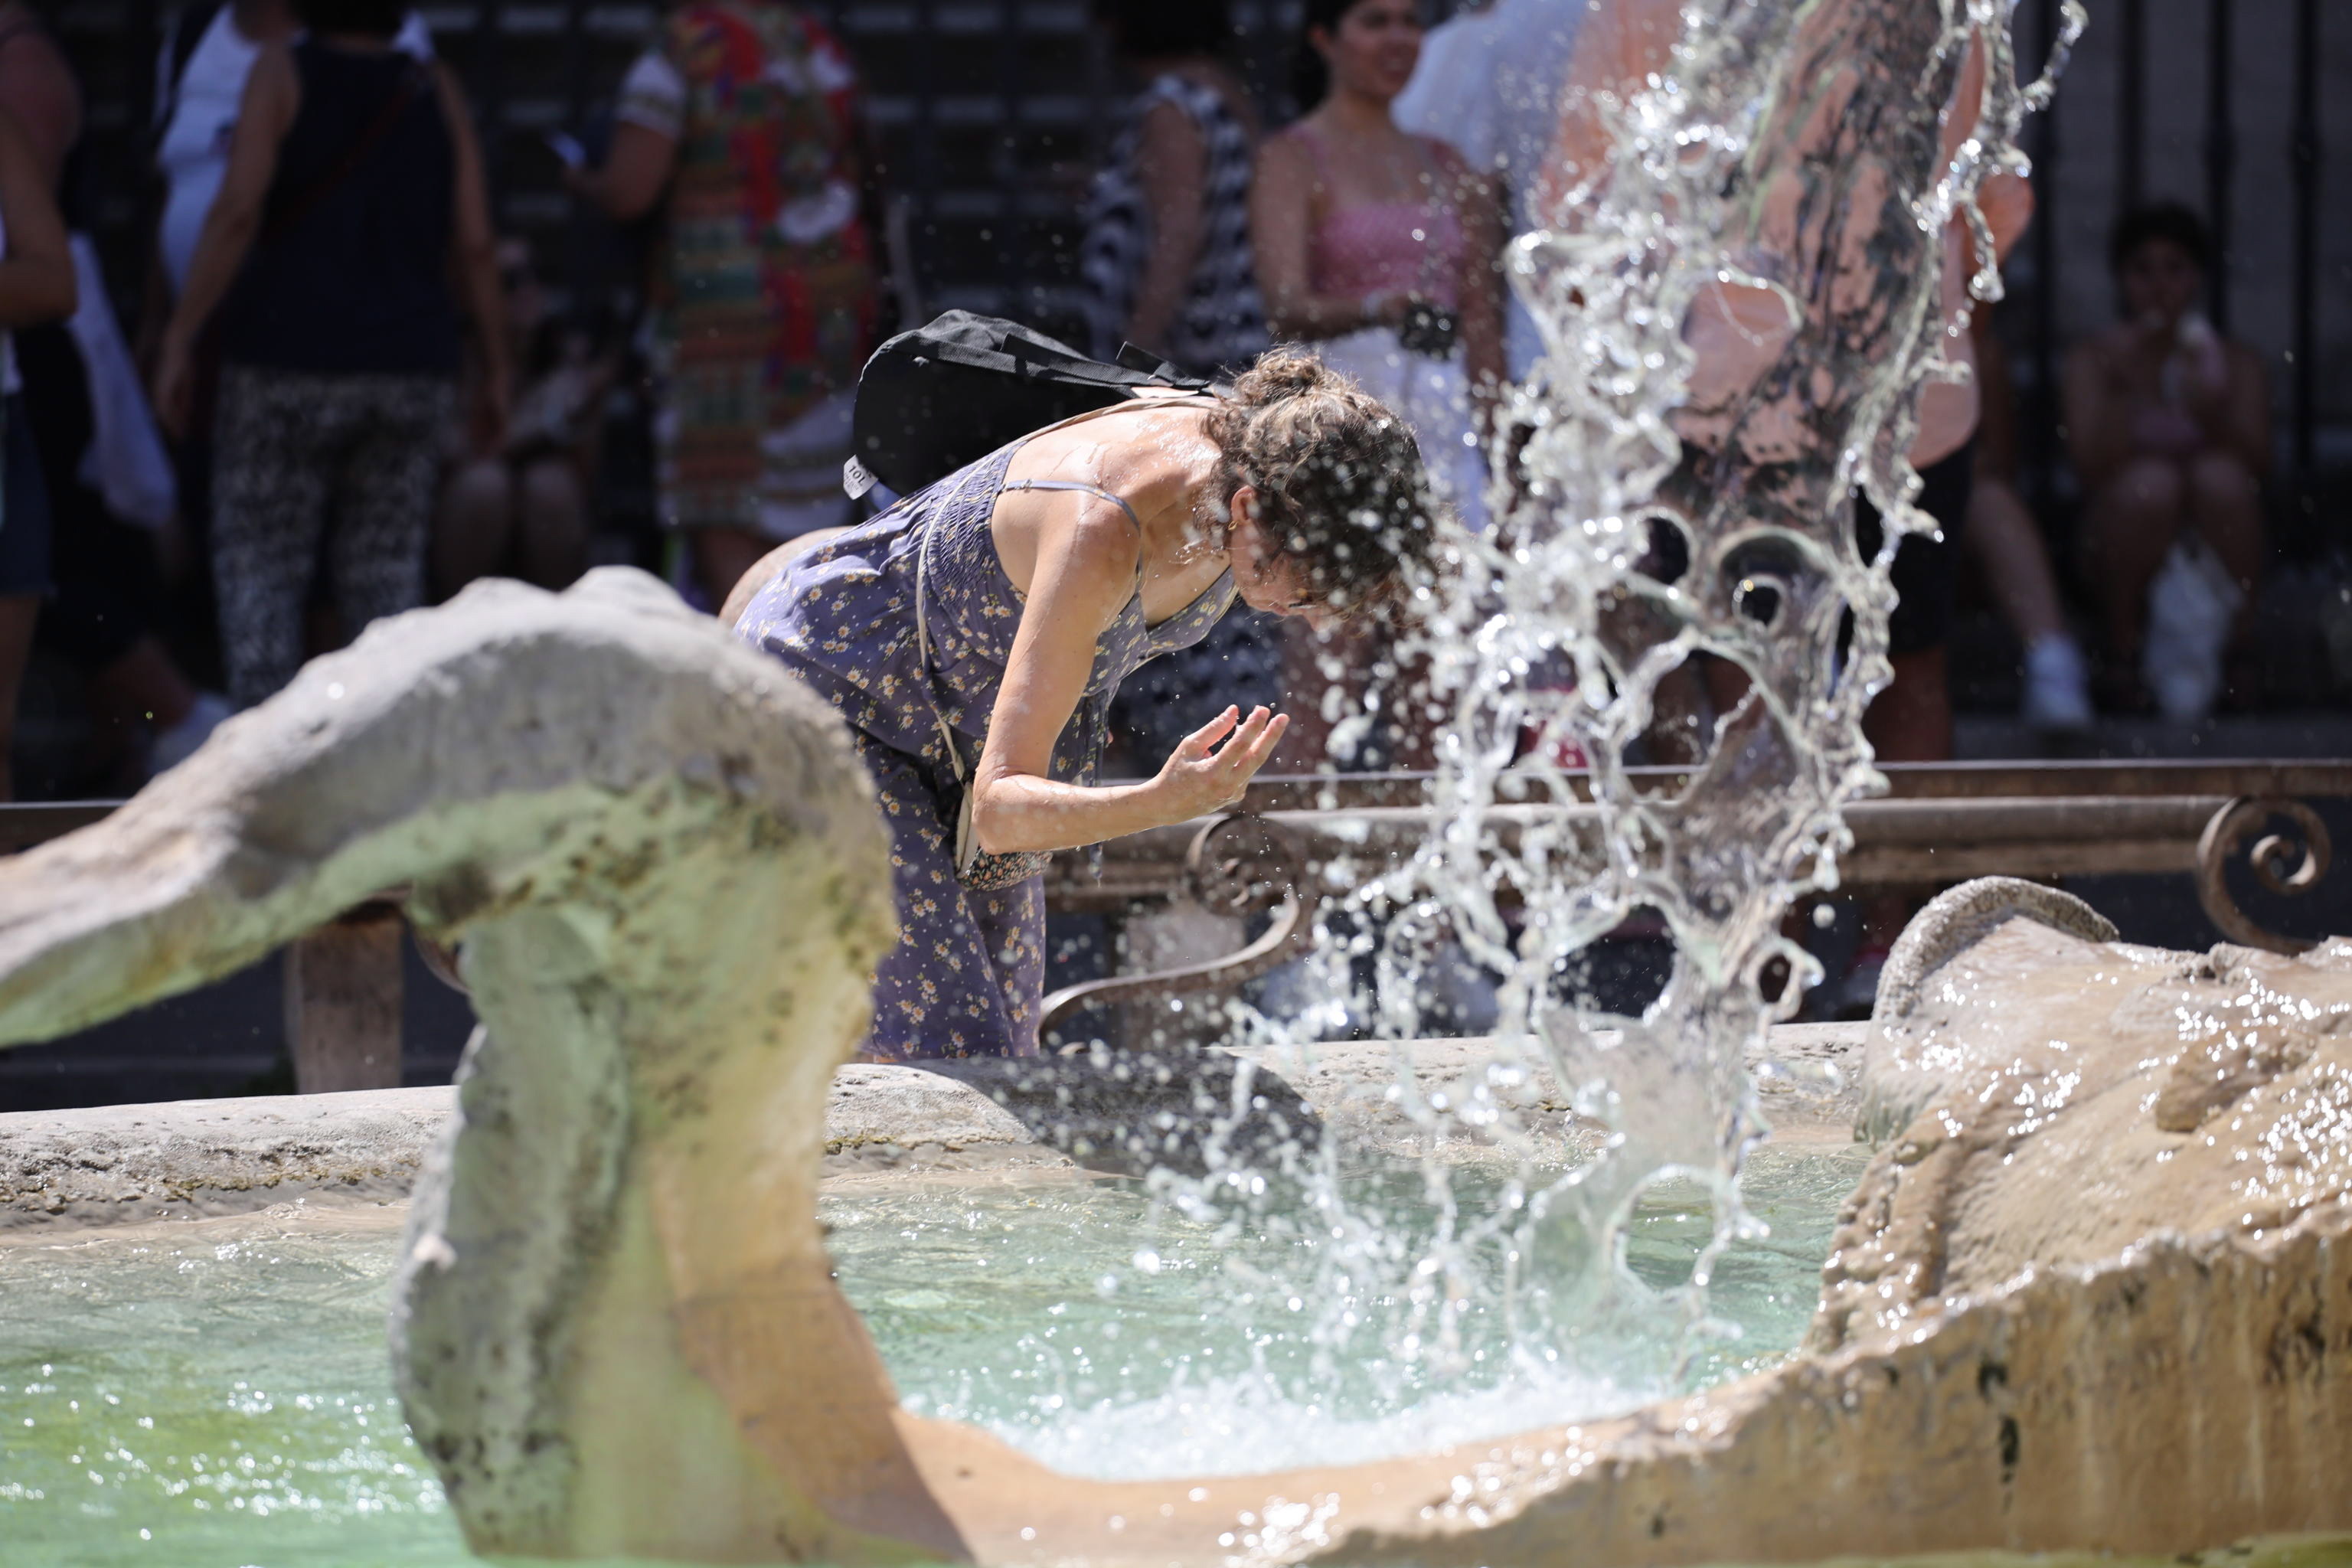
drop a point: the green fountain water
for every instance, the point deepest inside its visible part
(217, 1393)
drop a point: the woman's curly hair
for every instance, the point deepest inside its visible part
(1342, 494)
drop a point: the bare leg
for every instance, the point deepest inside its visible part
(552, 512)
(18, 612)
(2003, 537)
(2225, 502)
(721, 556)
(472, 525)
(2007, 543)
(2133, 522)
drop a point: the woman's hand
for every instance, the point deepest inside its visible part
(173, 389)
(1199, 776)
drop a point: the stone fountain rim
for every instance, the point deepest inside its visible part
(85, 1170)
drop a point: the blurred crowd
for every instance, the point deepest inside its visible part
(344, 394)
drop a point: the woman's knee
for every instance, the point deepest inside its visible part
(2145, 486)
(551, 488)
(2220, 483)
(478, 489)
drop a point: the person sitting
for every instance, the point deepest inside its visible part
(2167, 423)
(522, 510)
(973, 635)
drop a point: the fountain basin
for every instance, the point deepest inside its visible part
(220, 1373)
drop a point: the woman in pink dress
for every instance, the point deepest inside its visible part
(1382, 249)
(1379, 251)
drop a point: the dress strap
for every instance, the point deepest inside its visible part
(1083, 489)
(1098, 493)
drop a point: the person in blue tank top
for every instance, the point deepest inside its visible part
(974, 634)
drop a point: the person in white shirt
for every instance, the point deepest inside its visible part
(197, 104)
(1488, 84)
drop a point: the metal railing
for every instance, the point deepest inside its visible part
(1275, 855)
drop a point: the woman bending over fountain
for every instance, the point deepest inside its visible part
(973, 635)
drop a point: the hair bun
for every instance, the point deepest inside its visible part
(1341, 493)
(1285, 374)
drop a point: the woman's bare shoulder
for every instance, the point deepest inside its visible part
(1289, 148)
(1445, 155)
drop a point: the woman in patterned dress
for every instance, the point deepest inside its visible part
(977, 629)
(747, 116)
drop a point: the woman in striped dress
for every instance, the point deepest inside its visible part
(1168, 266)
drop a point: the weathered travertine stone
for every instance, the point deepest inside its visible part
(1905, 1063)
(671, 883)
(2093, 1095)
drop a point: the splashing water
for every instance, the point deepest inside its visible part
(1742, 299)
(1741, 305)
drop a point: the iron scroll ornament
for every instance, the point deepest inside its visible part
(2272, 858)
(1238, 864)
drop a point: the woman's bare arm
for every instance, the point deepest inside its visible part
(2098, 436)
(1282, 216)
(1172, 162)
(474, 255)
(273, 94)
(1084, 575)
(634, 175)
(2241, 423)
(40, 90)
(37, 274)
(1478, 202)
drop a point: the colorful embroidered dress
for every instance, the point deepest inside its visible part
(969, 971)
(764, 280)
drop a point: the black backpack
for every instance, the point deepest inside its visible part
(933, 399)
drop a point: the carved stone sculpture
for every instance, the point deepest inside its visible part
(2064, 1313)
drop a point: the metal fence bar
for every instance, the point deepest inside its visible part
(1011, 75)
(2220, 157)
(2303, 159)
(2042, 412)
(2131, 100)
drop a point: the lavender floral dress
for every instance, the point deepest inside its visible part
(969, 971)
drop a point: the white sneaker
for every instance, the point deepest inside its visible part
(178, 743)
(2057, 684)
